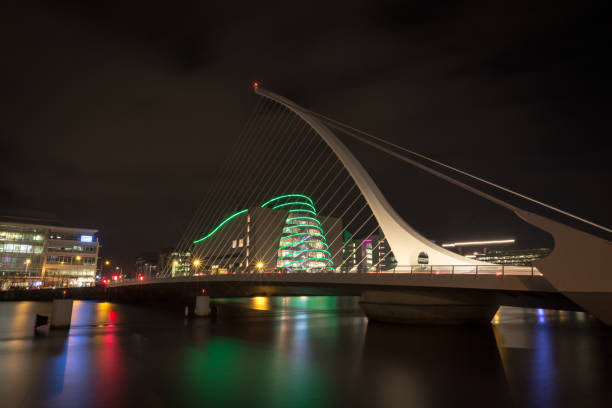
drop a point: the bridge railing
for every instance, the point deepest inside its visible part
(400, 270)
(498, 270)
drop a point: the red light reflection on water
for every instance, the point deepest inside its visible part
(110, 372)
(112, 316)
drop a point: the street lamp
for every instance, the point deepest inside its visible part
(78, 257)
(107, 262)
(196, 263)
(259, 265)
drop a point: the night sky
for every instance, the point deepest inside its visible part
(116, 115)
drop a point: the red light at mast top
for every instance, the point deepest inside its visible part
(255, 85)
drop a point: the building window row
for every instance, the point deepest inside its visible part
(21, 248)
(72, 248)
(70, 260)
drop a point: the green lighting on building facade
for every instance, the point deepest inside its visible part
(299, 247)
(218, 227)
(298, 243)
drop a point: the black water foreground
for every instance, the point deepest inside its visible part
(299, 352)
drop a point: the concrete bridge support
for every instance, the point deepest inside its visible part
(202, 306)
(61, 314)
(424, 308)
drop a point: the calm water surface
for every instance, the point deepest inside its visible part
(299, 352)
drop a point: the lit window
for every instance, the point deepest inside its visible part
(234, 244)
(241, 243)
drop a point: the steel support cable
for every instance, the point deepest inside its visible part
(233, 185)
(331, 224)
(289, 166)
(352, 220)
(214, 190)
(346, 129)
(355, 233)
(377, 245)
(279, 168)
(260, 168)
(189, 230)
(340, 219)
(235, 172)
(315, 176)
(229, 163)
(338, 203)
(383, 258)
(356, 266)
(347, 177)
(311, 180)
(276, 167)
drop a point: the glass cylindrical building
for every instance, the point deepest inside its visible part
(302, 245)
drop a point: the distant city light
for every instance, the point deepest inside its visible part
(196, 262)
(501, 241)
(86, 238)
(140, 277)
(107, 263)
(260, 265)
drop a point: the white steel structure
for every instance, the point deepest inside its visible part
(404, 241)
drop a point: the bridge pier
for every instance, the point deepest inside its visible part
(424, 308)
(61, 314)
(202, 306)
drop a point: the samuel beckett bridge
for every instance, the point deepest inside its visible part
(293, 212)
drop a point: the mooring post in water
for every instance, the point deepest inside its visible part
(202, 307)
(61, 314)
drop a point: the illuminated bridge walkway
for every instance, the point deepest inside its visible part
(286, 206)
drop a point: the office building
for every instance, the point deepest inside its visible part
(370, 254)
(39, 255)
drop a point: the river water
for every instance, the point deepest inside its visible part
(299, 352)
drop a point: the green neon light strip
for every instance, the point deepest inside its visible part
(308, 259)
(304, 226)
(285, 196)
(294, 203)
(303, 218)
(293, 254)
(303, 242)
(304, 233)
(308, 211)
(225, 221)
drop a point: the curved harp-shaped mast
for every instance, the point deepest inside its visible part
(404, 241)
(580, 265)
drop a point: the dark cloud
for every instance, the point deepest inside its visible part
(117, 114)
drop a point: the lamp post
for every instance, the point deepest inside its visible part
(196, 263)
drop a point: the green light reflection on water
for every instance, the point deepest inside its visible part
(276, 373)
(231, 372)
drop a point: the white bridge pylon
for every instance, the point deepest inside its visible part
(405, 242)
